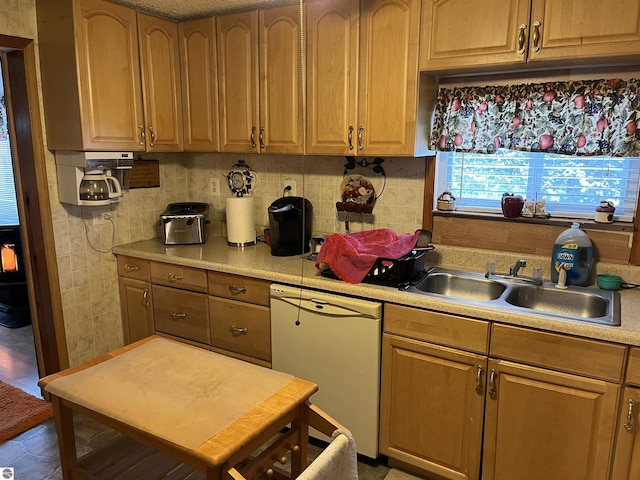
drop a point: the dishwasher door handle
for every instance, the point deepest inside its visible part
(320, 306)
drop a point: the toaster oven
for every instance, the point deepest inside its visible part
(184, 223)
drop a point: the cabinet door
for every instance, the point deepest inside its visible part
(281, 112)
(627, 458)
(160, 63)
(432, 405)
(584, 28)
(459, 33)
(388, 69)
(109, 76)
(332, 75)
(545, 424)
(199, 72)
(238, 81)
(137, 309)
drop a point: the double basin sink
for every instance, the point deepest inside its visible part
(518, 295)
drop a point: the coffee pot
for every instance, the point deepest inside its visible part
(99, 186)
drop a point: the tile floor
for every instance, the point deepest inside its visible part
(34, 453)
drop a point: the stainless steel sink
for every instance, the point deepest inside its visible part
(512, 294)
(468, 287)
(574, 303)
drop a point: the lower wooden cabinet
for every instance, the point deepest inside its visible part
(542, 424)
(626, 464)
(538, 406)
(432, 407)
(137, 309)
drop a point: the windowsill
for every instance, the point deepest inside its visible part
(585, 223)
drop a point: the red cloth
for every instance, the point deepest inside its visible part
(353, 255)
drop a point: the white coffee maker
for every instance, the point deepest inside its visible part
(93, 178)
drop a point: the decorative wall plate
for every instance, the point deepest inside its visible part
(357, 189)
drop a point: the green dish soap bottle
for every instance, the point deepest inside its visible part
(573, 251)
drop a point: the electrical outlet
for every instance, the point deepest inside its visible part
(214, 186)
(289, 188)
(98, 219)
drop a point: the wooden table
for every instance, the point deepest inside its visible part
(189, 407)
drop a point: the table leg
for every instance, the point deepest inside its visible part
(299, 457)
(63, 417)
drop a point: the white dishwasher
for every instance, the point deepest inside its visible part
(333, 341)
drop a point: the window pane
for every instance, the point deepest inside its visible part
(8, 205)
(571, 186)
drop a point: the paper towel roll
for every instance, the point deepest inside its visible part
(241, 224)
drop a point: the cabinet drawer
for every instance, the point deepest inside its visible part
(236, 287)
(240, 327)
(178, 276)
(559, 352)
(633, 370)
(132, 267)
(440, 328)
(181, 313)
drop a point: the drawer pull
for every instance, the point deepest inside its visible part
(175, 278)
(492, 384)
(234, 289)
(629, 424)
(238, 330)
(479, 379)
(131, 268)
(177, 316)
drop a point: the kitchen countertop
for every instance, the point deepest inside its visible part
(256, 261)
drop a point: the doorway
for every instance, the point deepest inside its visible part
(32, 194)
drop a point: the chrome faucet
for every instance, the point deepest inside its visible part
(513, 271)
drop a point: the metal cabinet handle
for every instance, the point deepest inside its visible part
(153, 137)
(176, 278)
(261, 137)
(145, 298)
(142, 135)
(521, 38)
(492, 383)
(253, 137)
(360, 131)
(234, 289)
(350, 136)
(535, 36)
(479, 379)
(238, 330)
(131, 268)
(176, 315)
(629, 423)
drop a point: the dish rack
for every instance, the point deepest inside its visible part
(393, 272)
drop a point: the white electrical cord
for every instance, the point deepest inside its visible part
(106, 216)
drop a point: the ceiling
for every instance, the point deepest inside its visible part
(186, 9)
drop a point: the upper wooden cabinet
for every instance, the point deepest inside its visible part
(199, 72)
(260, 81)
(160, 64)
(362, 77)
(92, 82)
(459, 34)
(332, 76)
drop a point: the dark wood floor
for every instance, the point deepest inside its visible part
(34, 453)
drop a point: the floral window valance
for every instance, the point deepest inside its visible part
(586, 117)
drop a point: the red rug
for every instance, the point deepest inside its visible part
(20, 411)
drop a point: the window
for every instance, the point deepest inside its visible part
(571, 185)
(8, 202)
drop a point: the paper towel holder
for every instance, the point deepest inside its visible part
(240, 213)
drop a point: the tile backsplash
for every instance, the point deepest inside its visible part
(84, 238)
